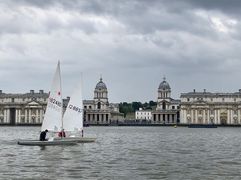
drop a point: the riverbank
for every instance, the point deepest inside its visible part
(136, 124)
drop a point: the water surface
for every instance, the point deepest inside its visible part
(126, 153)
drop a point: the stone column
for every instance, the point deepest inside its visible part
(37, 116)
(104, 118)
(184, 120)
(238, 116)
(208, 116)
(41, 115)
(196, 116)
(170, 118)
(30, 116)
(216, 116)
(19, 115)
(86, 117)
(26, 116)
(100, 118)
(94, 118)
(192, 115)
(204, 117)
(16, 116)
(219, 122)
(8, 116)
(228, 114)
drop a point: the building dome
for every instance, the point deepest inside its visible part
(100, 85)
(164, 85)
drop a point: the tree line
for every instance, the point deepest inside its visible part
(126, 108)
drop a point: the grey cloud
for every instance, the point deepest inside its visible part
(131, 43)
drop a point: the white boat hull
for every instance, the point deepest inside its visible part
(47, 143)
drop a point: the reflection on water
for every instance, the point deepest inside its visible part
(125, 153)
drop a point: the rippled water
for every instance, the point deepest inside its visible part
(126, 153)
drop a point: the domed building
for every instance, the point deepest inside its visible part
(167, 110)
(99, 110)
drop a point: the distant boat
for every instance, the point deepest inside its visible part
(202, 126)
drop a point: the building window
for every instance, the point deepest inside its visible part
(223, 99)
(164, 105)
(188, 99)
(99, 105)
(12, 100)
(89, 107)
(85, 107)
(173, 107)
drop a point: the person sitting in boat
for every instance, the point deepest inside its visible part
(43, 135)
(61, 133)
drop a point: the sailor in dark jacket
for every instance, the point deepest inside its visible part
(43, 135)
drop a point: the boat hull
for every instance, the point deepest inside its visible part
(78, 139)
(46, 143)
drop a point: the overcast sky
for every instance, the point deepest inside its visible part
(131, 43)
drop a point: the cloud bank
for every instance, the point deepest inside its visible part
(132, 44)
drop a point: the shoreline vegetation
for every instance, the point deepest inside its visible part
(129, 109)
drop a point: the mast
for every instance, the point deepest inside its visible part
(81, 83)
(62, 102)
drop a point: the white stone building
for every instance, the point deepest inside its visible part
(22, 109)
(99, 110)
(29, 108)
(143, 114)
(211, 108)
(167, 110)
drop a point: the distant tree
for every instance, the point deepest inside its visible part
(145, 105)
(136, 105)
(125, 108)
(128, 108)
(152, 103)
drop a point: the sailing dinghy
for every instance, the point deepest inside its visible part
(53, 118)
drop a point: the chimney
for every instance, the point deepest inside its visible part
(68, 97)
(1, 91)
(31, 91)
(194, 90)
(238, 90)
(41, 91)
(204, 90)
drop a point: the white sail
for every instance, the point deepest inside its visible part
(73, 116)
(53, 115)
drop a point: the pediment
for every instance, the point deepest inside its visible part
(32, 103)
(162, 101)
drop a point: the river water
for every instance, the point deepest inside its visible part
(126, 153)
